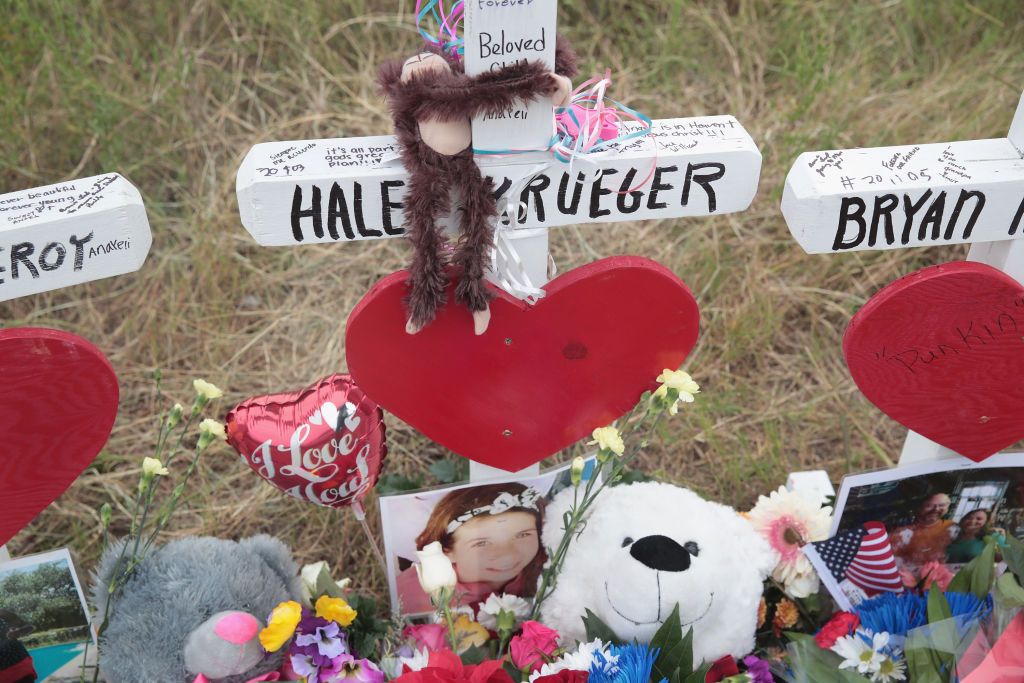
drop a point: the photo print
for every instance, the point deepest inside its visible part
(937, 515)
(44, 621)
(491, 531)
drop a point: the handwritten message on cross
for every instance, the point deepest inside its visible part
(912, 196)
(50, 238)
(352, 189)
(69, 233)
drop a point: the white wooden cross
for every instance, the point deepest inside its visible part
(69, 233)
(913, 196)
(351, 189)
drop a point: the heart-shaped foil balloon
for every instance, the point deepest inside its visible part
(324, 444)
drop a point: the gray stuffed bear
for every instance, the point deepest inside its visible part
(194, 606)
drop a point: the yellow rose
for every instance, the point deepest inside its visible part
(335, 609)
(283, 621)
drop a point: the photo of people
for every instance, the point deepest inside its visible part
(937, 513)
(491, 532)
(44, 623)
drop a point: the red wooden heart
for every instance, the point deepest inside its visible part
(58, 401)
(323, 444)
(542, 377)
(942, 352)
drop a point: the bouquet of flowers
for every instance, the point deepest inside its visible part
(331, 636)
(336, 635)
(971, 630)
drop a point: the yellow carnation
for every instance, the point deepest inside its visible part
(281, 627)
(335, 609)
(206, 390)
(609, 438)
(152, 467)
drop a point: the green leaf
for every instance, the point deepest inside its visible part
(596, 628)
(985, 574)
(700, 675)
(1008, 591)
(938, 605)
(1013, 555)
(977, 575)
(920, 666)
(815, 665)
(390, 484)
(446, 471)
(675, 650)
(474, 655)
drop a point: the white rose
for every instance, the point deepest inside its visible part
(435, 570)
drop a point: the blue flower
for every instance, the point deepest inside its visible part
(900, 613)
(626, 664)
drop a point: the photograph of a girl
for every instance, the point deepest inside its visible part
(492, 536)
(491, 533)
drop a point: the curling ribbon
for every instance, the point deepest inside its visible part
(508, 269)
(448, 21)
(587, 126)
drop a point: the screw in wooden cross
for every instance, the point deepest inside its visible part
(344, 190)
(50, 238)
(911, 196)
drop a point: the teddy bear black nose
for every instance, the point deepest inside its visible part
(661, 553)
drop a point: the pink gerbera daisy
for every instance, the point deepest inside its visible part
(788, 521)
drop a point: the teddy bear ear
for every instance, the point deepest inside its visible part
(278, 557)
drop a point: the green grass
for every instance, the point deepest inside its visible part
(173, 94)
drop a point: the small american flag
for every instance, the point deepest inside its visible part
(860, 556)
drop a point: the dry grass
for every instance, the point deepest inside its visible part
(173, 97)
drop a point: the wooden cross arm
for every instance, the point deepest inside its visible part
(909, 195)
(69, 233)
(312, 191)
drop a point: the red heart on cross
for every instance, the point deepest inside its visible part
(941, 351)
(58, 402)
(542, 377)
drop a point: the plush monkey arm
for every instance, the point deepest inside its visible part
(456, 96)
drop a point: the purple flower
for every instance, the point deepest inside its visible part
(328, 639)
(758, 670)
(304, 666)
(354, 670)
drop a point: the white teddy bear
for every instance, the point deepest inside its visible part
(647, 547)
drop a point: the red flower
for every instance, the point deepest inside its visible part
(564, 676)
(444, 666)
(841, 624)
(530, 647)
(722, 669)
(431, 636)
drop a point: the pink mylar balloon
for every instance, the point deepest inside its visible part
(324, 444)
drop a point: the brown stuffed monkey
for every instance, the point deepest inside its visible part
(432, 102)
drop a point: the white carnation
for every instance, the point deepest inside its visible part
(580, 659)
(495, 605)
